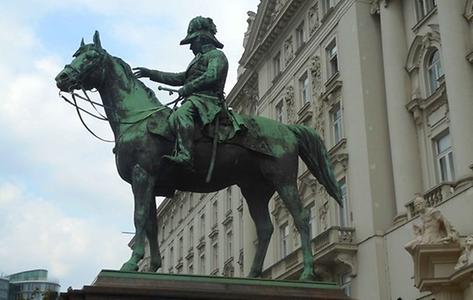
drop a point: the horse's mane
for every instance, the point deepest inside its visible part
(129, 73)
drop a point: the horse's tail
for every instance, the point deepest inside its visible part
(314, 154)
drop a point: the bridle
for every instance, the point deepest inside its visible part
(97, 114)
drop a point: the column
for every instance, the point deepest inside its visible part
(454, 35)
(402, 130)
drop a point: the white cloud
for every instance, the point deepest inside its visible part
(42, 236)
(62, 202)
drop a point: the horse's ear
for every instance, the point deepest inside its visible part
(82, 42)
(97, 40)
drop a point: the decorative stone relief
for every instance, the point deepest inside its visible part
(277, 9)
(252, 100)
(433, 229)
(250, 21)
(290, 104)
(374, 7)
(320, 118)
(349, 261)
(288, 50)
(313, 16)
(323, 211)
(316, 72)
(466, 258)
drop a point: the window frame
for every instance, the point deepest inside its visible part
(331, 52)
(446, 155)
(336, 123)
(433, 71)
(304, 88)
(284, 240)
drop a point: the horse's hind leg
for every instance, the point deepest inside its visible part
(143, 191)
(152, 235)
(257, 198)
(290, 196)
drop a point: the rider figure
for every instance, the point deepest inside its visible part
(202, 86)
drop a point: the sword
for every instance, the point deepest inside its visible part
(171, 91)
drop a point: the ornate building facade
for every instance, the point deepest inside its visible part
(388, 84)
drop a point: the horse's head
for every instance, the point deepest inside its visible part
(85, 70)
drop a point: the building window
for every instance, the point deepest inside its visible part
(214, 256)
(444, 158)
(279, 111)
(229, 199)
(202, 264)
(240, 228)
(304, 88)
(284, 239)
(300, 35)
(181, 247)
(343, 212)
(163, 232)
(336, 123)
(215, 213)
(181, 212)
(190, 269)
(345, 283)
(202, 225)
(171, 257)
(434, 71)
(332, 58)
(229, 244)
(191, 237)
(277, 65)
(423, 7)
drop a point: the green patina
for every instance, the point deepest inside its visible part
(217, 279)
(267, 163)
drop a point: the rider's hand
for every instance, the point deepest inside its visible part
(141, 72)
(184, 91)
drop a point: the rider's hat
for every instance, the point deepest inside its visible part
(200, 26)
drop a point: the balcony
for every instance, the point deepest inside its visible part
(333, 249)
(434, 197)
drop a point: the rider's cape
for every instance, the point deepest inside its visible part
(233, 129)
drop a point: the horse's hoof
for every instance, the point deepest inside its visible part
(129, 267)
(307, 276)
(153, 267)
(254, 274)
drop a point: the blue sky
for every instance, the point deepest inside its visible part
(62, 204)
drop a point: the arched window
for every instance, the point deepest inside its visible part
(434, 71)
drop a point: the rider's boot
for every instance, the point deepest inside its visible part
(183, 156)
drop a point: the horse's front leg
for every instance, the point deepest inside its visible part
(143, 191)
(152, 235)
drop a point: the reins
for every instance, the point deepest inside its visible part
(102, 117)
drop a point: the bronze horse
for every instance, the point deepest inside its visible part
(129, 105)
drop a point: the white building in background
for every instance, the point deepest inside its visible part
(389, 86)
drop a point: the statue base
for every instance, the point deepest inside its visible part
(133, 285)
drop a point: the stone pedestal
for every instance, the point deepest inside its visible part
(131, 285)
(434, 272)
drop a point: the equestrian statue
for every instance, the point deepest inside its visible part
(199, 147)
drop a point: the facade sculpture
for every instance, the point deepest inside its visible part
(433, 229)
(466, 257)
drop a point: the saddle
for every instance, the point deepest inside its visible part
(233, 128)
